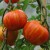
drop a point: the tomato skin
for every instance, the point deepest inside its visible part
(11, 36)
(15, 20)
(13, 1)
(35, 33)
(22, 18)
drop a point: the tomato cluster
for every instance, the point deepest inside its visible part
(13, 1)
(13, 21)
(33, 31)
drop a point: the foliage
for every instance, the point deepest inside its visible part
(1, 11)
(22, 44)
(1, 0)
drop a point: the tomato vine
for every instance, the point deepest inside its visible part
(42, 17)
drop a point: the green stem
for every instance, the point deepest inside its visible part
(3, 45)
(10, 5)
(40, 6)
(5, 40)
(6, 35)
(39, 3)
(3, 14)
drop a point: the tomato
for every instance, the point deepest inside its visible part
(15, 20)
(35, 33)
(22, 17)
(13, 1)
(11, 36)
(1, 33)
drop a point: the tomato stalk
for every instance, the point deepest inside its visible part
(3, 14)
(43, 18)
(10, 7)
(5, 40)
(43, 11)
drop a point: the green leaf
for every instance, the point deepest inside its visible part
(32, 18)
(38, 10)
(0, 44)
(32, 5)
(29, 0)
(25, 4)
(18, 44)
(10, 48)
(20, 33)
(48, 6)
(49, 14)
(26, 43)
(38, 17)
(1, 11)
(30, 47)
(25, 48)
(21, 0)
(32, 1)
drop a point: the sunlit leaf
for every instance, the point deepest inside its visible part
(25, 4)
(18, 44)
(48, 6)
(49, 14)
(25, 48)
(38, 17)
(1, 12)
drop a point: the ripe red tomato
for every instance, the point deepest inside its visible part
(12, 36)
(35, 33)
(22, 17)
(15, 20)
(13, 1)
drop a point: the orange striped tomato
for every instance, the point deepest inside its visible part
(15, 20)
(35, 33)
(1, 33)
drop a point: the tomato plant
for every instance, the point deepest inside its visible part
(24, 25)
(13, 1)
(15, 20)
